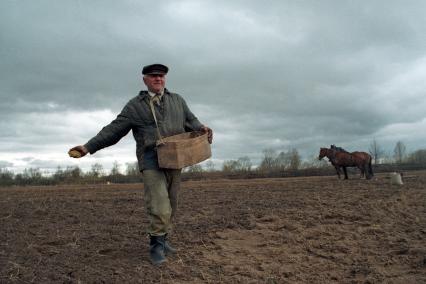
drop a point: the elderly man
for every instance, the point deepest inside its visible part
(161, 185)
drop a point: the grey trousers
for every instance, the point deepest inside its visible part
(161, 199)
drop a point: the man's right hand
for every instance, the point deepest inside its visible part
(78, 151)
(209, 132)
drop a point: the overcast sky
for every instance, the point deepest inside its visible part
(261, 74)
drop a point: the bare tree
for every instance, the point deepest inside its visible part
(295, 159)
(132, 169)
(314, 162)
(245, 164)
(288, 160)
(418, 157)
(230, 166)
(387, 157)
(282, 161)
(115, 170)
(210, 166)
(97, 170)
(6, 177)
(399, 152)
(376, 151)
(73, 172)
(269, 160)
(194, 169)
(115, 174)
(242, 164)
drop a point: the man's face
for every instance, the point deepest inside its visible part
(155, 82)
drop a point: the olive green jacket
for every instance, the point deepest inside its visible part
(173, 117)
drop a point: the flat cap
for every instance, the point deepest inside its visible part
(155, 69)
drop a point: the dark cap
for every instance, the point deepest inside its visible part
(155, 69)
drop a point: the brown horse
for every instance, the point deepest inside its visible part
(338, 159)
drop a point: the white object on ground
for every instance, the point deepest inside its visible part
(396, 178)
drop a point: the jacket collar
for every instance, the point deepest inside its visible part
(143, 95)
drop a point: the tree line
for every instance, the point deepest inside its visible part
(272, 161)
(71, 175)
(399, 155)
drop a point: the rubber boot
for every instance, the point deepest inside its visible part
(156, 249)
(168, 249)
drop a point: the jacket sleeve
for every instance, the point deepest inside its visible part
(112, 133)
(191, 121)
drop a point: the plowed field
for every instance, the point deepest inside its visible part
(292, 230)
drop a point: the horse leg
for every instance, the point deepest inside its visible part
(370, 170)
(346, 172)
(367, 173)
(366, 170)
(362, 170)
(337, 171)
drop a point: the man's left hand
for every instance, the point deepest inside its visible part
(209, 132)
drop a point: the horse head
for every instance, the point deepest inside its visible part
(323, 153)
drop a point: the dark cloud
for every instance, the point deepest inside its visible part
(286, 74)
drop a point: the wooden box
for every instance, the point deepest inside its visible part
(183, 150)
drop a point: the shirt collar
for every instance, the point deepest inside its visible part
(151, 94)
(144, 94)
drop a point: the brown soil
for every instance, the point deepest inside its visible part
(293, 230)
